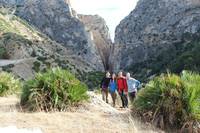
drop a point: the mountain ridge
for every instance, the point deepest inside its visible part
(151, 30)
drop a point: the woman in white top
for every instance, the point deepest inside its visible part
(132, 86)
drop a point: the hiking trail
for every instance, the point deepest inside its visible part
(93, 117)
(9, 62)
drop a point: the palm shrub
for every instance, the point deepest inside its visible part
(192, 94)
(9, 84)
(55, 89)
(170, 100)
(159, 97)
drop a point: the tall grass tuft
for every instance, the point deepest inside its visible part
(55, 89)
(9, 84)
(170, 100)
(192, 94)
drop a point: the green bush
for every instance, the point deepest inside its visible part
(3, 53)
(93, 79)
(8, 68)
(8, 84)
(36, 66)
(170, 100)
(192, 94)
(55, 89)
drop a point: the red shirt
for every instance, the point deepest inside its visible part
(122, 85)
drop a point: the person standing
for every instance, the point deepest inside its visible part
(122, 89)
(104, 87)
(132, 86)
(113, 88)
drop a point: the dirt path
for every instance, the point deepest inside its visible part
(94, 117)
(9, 62)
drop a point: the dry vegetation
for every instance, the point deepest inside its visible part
(95, 116)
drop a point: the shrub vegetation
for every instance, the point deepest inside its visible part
(3, 53)
(170, 100)
(192, 94)
(53, 90)
(9, 84)
(93, 79)
(183, 56)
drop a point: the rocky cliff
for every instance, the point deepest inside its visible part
(155, 33)
(97, 28)
(8, 3)
(24, 50)
(56, 19)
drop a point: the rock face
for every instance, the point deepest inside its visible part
(56, 19)
(153, 27)
(96, 26)
(24, 50)
(10, 2)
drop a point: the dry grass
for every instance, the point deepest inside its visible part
(93, 117)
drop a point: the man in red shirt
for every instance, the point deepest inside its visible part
(122, 89)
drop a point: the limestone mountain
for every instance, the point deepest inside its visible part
(10, 3)
(85, 38)
(96, 26)
(25, 50)
(57, 20)
(157, 34)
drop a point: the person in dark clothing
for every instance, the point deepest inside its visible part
(122, 89)
(104, 87)
(113, 88)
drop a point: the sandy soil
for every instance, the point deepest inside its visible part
(94, 117)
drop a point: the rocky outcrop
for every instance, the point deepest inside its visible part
(154, 27)
(56, 19)
(9, 3)
(97, 28)
(24, 50)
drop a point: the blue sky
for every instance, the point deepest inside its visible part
(113, 11)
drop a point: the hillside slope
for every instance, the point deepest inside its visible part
(19, 41)
(56, 19)
(156, 34)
